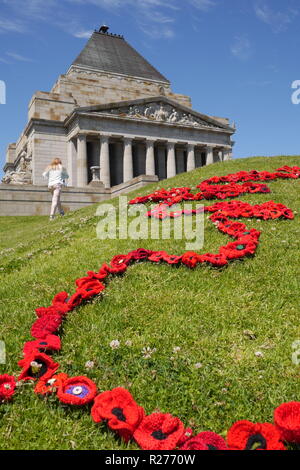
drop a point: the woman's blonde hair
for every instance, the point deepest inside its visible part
(55, 164)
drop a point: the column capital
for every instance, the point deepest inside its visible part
(171, 144)
(104, 137)
(127, 139)
(191, 145)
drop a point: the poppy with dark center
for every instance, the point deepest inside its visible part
(49, 343)
(239, 249)
(157, 256)
(140, 254)
(45, 326)
(77, 391)
(244, 435)
(205, 441)
(7, 387)
(47, 387)
(120, 260)
(119, 409)
(172, 259)
(37, 365)
(217, 260)
(159, 431)
(190, 259)
(287, 420)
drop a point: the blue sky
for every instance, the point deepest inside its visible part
(235, 58)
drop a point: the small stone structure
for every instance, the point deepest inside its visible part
(115, 123)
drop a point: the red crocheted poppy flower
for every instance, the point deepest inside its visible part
(287, 420)
(120, 260)
(45, 325)
(205, 441)
(49, 343)
(7, 387)
(91, 289)
(77, 298)
(100, 275)
(159, 431)
(217, 260)
(47, 387)
(58, 306)
(122, 413)
(244, 435)
(171, 259)
(190, 259)
(60, 298)
(239, 249)
(157, 256)
(77, 391)
(37, 365)
(140, 254)
(58, 309)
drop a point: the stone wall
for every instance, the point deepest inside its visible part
(89, 87)
(36, 200)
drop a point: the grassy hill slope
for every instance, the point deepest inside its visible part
(206, 312)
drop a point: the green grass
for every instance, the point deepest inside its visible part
(203, 311)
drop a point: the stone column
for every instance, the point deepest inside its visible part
(104, 161)
(209, 155)
(127, 160)
(150, 161)
(171, 162)
(82, 176)
(220, 155)
(71, 166)
(227, 154)
(190, 157)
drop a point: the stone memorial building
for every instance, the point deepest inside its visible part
(116, 124)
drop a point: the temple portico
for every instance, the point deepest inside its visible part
(131, 156)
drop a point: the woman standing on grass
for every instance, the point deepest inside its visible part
(56, 175)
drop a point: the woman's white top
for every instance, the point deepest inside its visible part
(56, 176)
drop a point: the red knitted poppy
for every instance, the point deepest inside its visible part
(49, 343)
(205, 441)
(287, 420)
(159, 431)
(77, 391)
(244, 435)
(157, 256)
(122, 413)
(44, 367)
(190, 259)
(49, 386)
(45, 325)
(119, 260)
(7, 387)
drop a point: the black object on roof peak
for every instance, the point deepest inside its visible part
(112, 53)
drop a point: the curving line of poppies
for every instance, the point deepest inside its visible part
(117, 407)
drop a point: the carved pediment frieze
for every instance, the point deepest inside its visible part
(159, 112)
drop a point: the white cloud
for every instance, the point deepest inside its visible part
(154, 17)
(83, 34)
(242, 48)
(278, 20)
(203, 5)
(11, 26)
(18, 57)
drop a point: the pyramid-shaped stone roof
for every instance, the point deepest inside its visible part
(111, 53)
